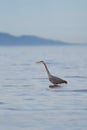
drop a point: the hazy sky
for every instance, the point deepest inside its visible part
(64, 20)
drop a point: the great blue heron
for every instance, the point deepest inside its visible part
(52, 79)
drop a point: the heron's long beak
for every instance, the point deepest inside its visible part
(38, 62)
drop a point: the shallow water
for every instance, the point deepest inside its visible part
(26, 100)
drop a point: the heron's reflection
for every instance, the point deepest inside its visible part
(54, 86)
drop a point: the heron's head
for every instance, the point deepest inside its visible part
(39, 62)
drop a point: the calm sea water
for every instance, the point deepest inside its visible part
(26, 100)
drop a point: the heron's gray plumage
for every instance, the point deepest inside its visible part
(53, 79)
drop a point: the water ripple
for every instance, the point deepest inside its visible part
(77, 90)
(12, 109)
(1, 103)
(76, 76)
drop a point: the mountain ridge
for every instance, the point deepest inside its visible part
(9, 39)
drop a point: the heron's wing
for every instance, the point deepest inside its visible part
(56, 80)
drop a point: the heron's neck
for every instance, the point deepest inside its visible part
(47, 69)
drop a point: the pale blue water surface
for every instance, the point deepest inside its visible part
(26, 100)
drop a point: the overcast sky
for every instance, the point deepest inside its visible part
(64, 20)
